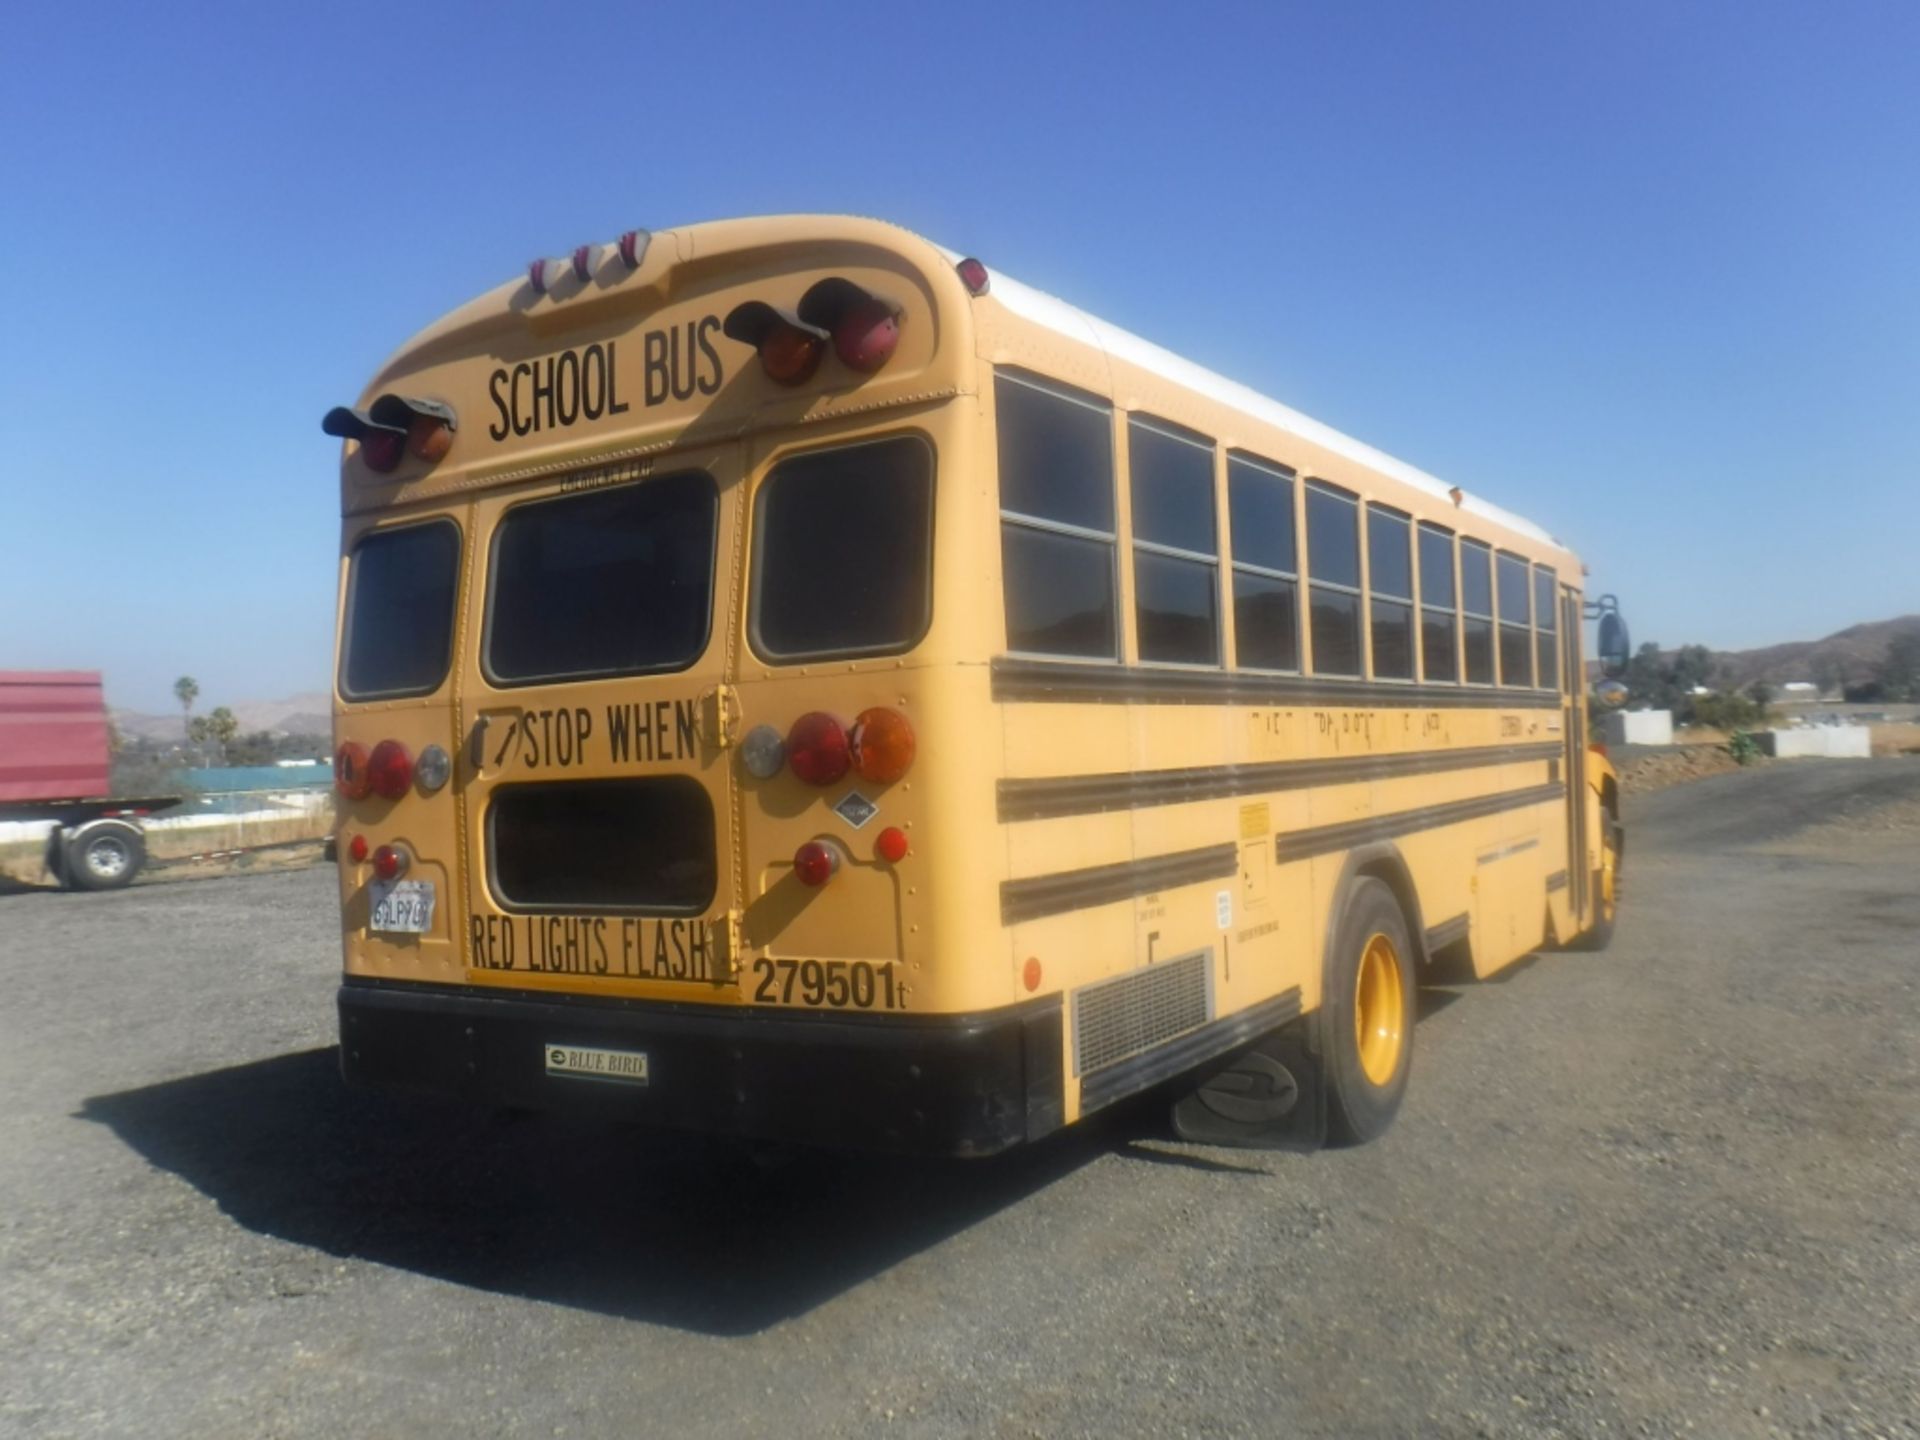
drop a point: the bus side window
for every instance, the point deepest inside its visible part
(1266, 564)
(1476, 608)
(1516, 641)
(1057, 536)
(1439, 651)
(1390, 592)
(1333, 578)
(1545, 629)
(1176, 570)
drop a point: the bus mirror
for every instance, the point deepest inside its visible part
(1611, 694)
(1615, 648)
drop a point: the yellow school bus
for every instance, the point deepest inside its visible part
(795, 682)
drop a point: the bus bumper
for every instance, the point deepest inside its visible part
(936, 1085)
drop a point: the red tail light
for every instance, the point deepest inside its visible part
(817, 748)
(891, 845)
(390, 770)
(882, 745)
(390, 862)
(357, 849)
(814, 863)
(351, 775)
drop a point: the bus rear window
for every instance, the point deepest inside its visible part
(844, 551)
(399, 630)
(612, 582)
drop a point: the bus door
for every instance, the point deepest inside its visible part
(598, 805)
(1573, 688)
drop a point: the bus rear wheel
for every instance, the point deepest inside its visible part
(1367, 1014)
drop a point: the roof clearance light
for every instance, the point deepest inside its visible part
(351, 777)
(633, 248)
(537, 276)
(974, 276)
(583, 258)
(790, 348)
(882, 745)
(390, 770)
(817, 748)
(814, 863)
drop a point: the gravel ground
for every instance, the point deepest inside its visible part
(1667, 1189)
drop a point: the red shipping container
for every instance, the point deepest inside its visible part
(53, 735)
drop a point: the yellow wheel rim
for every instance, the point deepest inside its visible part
(1379, 1010)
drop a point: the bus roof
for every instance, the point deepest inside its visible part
(1040, 308)
(713, 238)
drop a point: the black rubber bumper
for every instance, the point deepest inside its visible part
(946, 1085)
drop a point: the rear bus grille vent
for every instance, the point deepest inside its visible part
(1117, 1019)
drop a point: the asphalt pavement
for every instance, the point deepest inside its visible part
(1666, 1189)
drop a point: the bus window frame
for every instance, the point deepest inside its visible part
(1409, 602)
(757, 545)
(1502, 623)
(1357, 593)
(1040, 524)
(344, 644)
(1535, 573)
(1290, 477)
(1462, 543)
(499, 527)
(1169, 430)
(1452, 611)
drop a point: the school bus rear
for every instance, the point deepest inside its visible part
(660, 729)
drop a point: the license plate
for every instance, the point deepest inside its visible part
(402, 907)
(580, 1062)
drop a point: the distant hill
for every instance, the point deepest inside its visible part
(309, 713)
(1846, 657)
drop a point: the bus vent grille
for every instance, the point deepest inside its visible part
(1116, 1019)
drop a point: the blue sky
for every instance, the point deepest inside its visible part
(1646, 273)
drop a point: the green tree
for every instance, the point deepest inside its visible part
(1899, 673)
(221, 728)
(186, 690)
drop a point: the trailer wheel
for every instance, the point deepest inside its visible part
(104, 855)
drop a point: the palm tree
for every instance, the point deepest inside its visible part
(186, 690)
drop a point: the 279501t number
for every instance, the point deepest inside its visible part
(834, 984)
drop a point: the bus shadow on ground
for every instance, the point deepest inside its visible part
(667, 1229)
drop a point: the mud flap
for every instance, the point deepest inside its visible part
(1271, 1096)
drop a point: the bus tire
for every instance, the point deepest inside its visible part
(1606, 889)
(1367, 1015)
(104, 855)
